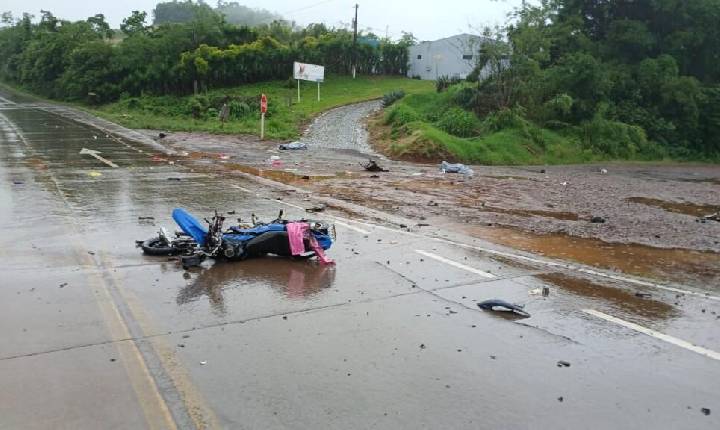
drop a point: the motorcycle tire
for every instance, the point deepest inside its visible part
(155, 246)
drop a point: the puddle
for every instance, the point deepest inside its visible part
(676, 207)
(636, 309)
(565, 216)
(700, 269)
(715, 181)
(292, 279)
(278, 175)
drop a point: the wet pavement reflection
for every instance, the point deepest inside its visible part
(296, 280)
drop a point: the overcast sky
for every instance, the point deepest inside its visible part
(427, 20)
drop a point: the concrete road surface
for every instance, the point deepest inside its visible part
(96, 335)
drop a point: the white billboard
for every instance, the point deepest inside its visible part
(308, 72)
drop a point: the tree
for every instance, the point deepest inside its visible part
(134, 24)
(100, 26)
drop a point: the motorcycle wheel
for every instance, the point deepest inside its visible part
(156, 246)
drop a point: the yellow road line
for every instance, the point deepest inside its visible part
(201, 414)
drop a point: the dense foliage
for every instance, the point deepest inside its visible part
(234, 13)
(617, 73)
(86, 61)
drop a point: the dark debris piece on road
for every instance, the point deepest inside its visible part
(372, 166)
(502, 306)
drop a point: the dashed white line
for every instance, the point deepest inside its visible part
(242, 189)
(656, 334)
(348, 226)
(456, 264)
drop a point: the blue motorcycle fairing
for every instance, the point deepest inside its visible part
(190, 225)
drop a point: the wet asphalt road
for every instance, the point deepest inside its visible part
(95, 335)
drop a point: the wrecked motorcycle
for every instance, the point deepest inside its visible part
(196, 242)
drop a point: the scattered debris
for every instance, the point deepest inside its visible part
(202, 363)
(372, 166)
(161, 135)
(603, 171)
(315, 209)
(705, 411)
(446, 167)
(711, 217)
(560, 399)
(94, 174)
(63, 285)
(292, 146)
(146, 218)
(544, 291)
(422, 346)
(502, 306)
(597, 220)
(18, 182)
(562, 363)
(643, 295)
(174, 179)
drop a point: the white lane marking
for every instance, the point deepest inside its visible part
(566, 266)
(94, 153)
(242, 189)
(456, 264)
(289, 204)
(359, 230)
(656, 334)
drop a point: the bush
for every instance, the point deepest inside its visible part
(613, 138)
(198, 106)
(400, 115)
(392, 97)
(445, 82)
(466, 97)
(239, 109)
(459, 122)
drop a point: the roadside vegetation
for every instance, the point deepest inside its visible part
(285, 115)
(575, 81)
(567, 81)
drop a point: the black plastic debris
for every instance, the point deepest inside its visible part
(597, 220)
(497, 305)
(315, 209)
(162, 135)
(372, 166)
(705, 411)
(563, 363)
(643, 295)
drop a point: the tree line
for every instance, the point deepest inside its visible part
(624, 74)
(88, 61)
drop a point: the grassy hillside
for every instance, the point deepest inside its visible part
(285, 115)
(431, 126)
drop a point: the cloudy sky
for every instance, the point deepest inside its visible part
(426, 19)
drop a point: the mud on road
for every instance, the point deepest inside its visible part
(650, 211)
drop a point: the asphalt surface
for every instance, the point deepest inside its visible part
(96, 335)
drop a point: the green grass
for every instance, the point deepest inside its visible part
(419, 127)
(285, 118)
(423, 141)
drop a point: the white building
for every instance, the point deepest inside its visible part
(454, 56)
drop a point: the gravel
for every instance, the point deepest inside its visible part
(342, 128)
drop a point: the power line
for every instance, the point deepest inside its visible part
(306, 7)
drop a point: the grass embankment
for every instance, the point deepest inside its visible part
(431, 126)
(285, 115)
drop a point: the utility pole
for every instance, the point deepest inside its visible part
(354, 56)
